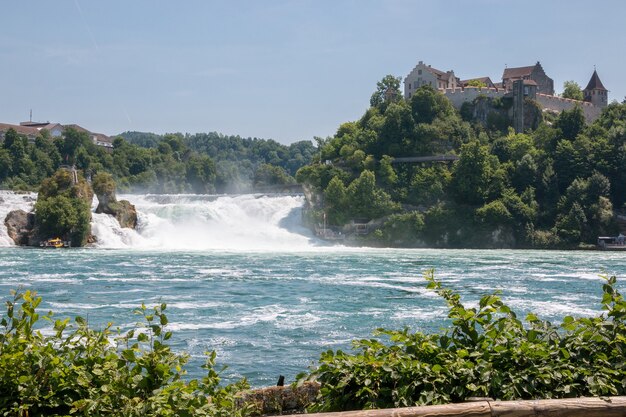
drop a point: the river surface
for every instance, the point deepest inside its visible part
(242, 277)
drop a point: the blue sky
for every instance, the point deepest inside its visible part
(287, 70)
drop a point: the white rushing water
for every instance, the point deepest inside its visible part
(200, 222)
(10, 201)
(193, 222)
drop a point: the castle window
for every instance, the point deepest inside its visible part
(409, 86)
(419, 72)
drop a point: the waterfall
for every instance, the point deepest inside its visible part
(10, 201)
(192, 222)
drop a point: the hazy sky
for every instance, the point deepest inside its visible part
(287, 70)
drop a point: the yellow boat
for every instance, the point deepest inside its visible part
(54, 243)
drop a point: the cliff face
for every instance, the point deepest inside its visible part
(20, 226)
(123, 211)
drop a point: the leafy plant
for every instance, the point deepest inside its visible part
(75, 370)
(486, 352)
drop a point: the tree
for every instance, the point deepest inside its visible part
(268, 174)
(571, 122)
(387, 91)
(63, 209)
(103, 184)
(366, 201)
(472, 174)
(201, 174)
(386, 174)
(335, 202)
(428, 104)
(572, 90)
(5, 164)
(476, 83)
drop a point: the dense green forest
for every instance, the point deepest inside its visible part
(173, 163)
(556, 185)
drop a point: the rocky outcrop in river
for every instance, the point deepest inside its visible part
(20, 225)
(123, 211)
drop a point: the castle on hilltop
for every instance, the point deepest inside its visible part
(527, 82)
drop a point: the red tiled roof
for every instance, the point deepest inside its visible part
(440, 74)
(518, 72)
(78, 128)
(51, 126)
(595, 83)
(102, 138)
(485, 80)
(24, 130)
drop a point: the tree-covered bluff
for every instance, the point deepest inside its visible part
(172, 163)
(560, 183)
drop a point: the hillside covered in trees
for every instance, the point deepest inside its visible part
(557, 185)
(146, 162)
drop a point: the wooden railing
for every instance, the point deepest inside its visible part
(573, 407)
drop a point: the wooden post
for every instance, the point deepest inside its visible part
(571, 407)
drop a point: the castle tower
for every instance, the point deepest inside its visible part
(595, 93)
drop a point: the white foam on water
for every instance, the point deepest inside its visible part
(421, 314)
(204, 222)
(551, 308)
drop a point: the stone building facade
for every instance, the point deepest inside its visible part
(424, 74)
(521, 82)
(545, 84)
(595, 93)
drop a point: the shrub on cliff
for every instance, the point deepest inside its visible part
(487, 352)
(104, 187)
(103, 184)
(70, 369)
(63, 209)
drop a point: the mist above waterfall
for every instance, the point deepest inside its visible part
(197, 222)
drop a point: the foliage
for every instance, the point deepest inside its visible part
(476, 83)
(268, 175)
(571, 122)
(572, 90)
(402, 229)
(66, 369)
(200, 163)
(103, 184)
(365, 200)
(486, 352)
(502, 181)
(387, 91)
(63, 209)
(362, 200)
(427, 104)
(473, 174)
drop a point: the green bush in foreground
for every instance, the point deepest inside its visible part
(76, 370)
(487, 352)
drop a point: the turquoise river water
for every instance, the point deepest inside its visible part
(271, 300)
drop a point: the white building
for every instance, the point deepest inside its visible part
(424, 74)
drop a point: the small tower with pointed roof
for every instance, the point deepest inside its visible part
(595, 93)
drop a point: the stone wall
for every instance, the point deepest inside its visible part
(558, 104)
(458, 96)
